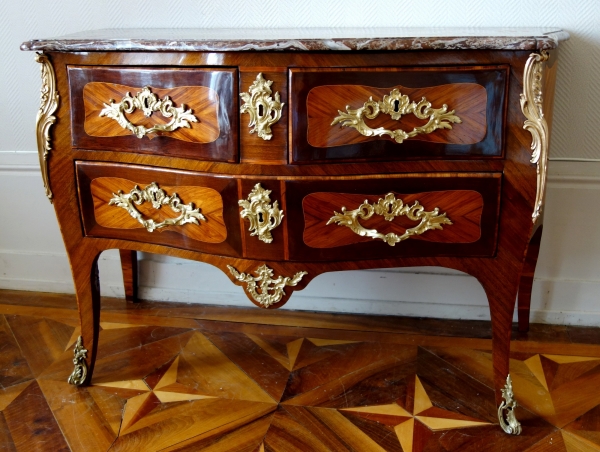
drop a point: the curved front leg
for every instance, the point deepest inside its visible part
(84, 267)
(526, 283)
(501, 296)
(129, 267)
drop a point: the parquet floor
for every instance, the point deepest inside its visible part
(181, 378)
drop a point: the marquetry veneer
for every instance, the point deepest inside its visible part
(410, 152)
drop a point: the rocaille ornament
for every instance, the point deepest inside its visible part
(149, 103)
(396, 105)
(390, 208)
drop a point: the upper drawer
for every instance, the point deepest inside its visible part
(354, 114)
(185, 112)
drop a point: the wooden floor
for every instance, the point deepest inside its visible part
(189, 378)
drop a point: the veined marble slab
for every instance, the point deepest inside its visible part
(301, 39)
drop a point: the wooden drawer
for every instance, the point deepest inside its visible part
(354, 114)
(120, 109)
(138, 203)
(361, 218)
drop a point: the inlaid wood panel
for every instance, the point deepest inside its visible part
(238, 386)
(203, 103)
(323, 104)
(470, 201)
(462, 207)
(214, 197)
(211, 94)
(207, 200)
(477, 94)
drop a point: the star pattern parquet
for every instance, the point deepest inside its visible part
(168, 385)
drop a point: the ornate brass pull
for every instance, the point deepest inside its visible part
(390, 207)
(267, 284)
(158, 197)
(263, 216)
(264, 111)
(148, 103)
(396, 105)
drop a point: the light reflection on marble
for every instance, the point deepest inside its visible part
(302, 39)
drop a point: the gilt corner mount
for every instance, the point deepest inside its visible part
(532, 106)
(45, 117)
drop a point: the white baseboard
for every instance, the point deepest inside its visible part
(565, 291)
(422, 292)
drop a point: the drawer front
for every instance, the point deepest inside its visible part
(166, 207)
(396, 216)
(397, 113)
(177, 112)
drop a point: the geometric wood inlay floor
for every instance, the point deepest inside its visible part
(181, 378)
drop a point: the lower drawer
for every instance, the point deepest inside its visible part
(166, 207)
(357, 218)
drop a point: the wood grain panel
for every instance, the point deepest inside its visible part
(201, 100)
(32, 424)
(468, 100)
(477, 94)
(207, 200)
(210, 92)
(463, 208)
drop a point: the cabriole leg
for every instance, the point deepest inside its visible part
(501, 298)
(87, 289)
(129, 267)
(526, 283)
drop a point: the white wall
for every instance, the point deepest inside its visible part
(568, 275)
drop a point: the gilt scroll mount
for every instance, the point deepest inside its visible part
(390, 208)
(80, 368)
(531, 104)
(149, 103)
(396, 105)
(263, 288)
(263, 109)
(263, 216)
(506, 410)
(158, 197)
(45, 117)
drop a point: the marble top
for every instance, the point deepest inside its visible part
(301, 39)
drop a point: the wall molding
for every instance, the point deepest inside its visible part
(19, 161)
